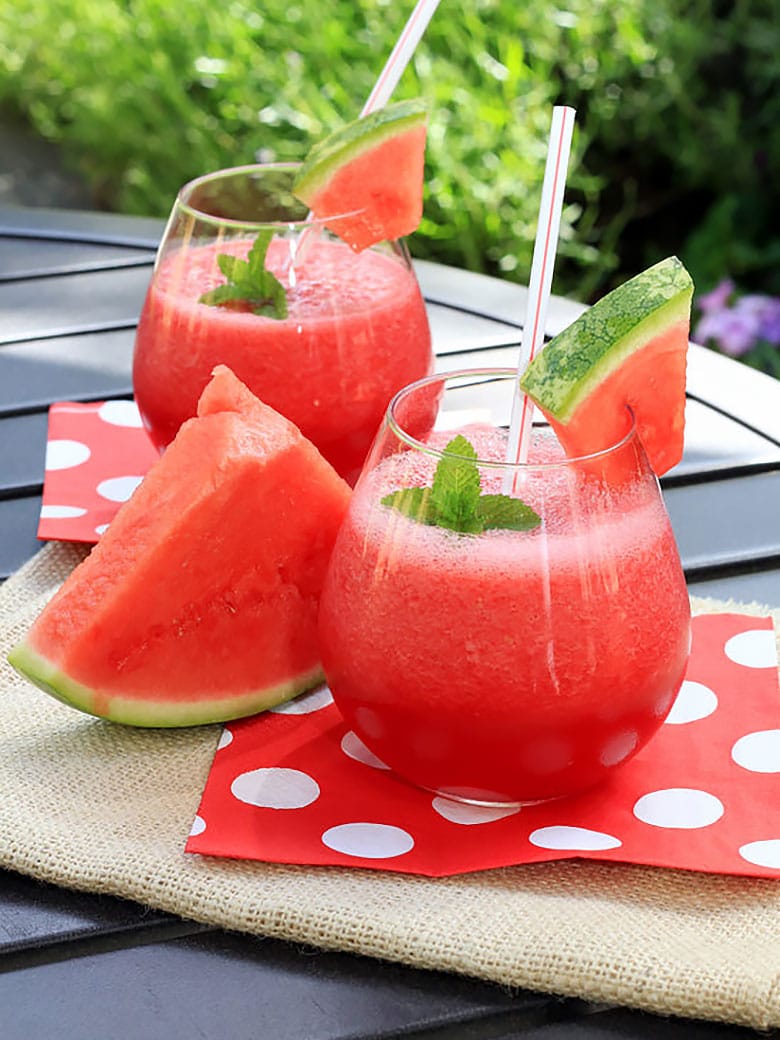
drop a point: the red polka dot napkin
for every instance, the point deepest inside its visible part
(96, 455)
(294, 785)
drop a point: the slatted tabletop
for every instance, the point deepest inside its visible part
(80, 966)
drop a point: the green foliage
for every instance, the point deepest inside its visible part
(693, 140)
(676, 145)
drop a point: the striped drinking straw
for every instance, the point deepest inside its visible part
(545, 246)
(400, 55)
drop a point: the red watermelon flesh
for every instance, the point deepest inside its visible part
(365, 181)
(628, 349)
(656, 375)
(199, 604)
(387, 181)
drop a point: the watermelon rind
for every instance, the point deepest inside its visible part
(580, 357)
(141, 711)
(353, 140)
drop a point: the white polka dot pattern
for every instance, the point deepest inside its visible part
(679, 807)
(753, 649)
(758, 752)
(573, 839)
(368, 840)
(118, 489)
(762, 853)
(120, 413)
(65, 454)
(275, 788)
(694, 701)
(52, 512)
(468, 815)
(198, 826)
(91, 450)
(354, 747)
(314, 700)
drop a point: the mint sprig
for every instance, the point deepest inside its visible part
(249, 282)
(455, 499)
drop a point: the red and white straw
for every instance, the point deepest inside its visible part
(545, 247)
(400, 56)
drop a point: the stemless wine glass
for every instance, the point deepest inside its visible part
(354, 333)
(492, 665)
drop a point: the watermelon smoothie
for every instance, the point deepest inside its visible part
(355, 332)
(509, 666)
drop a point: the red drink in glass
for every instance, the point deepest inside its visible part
(355, 332)
(508, 666)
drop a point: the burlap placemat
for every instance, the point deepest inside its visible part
(93, 806)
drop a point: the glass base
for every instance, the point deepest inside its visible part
(485, 800)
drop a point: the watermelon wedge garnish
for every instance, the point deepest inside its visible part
(371, 170)
(199, 603)
(630, 349)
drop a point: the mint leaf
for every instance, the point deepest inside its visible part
(455, 500)
(505, 513)
(223, 294)
(414, 502)
(456, 487)
(249, 282)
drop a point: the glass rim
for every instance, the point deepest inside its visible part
(202, 215)
(496, 374)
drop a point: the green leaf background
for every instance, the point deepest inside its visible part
(677, 148)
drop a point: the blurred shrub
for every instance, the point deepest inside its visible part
(693, 143)
(676, 147)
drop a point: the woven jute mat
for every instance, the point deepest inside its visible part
(104, 808)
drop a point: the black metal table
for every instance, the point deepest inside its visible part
(79, 966)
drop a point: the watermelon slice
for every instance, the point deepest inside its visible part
(630, 349)
(372, 171)
(199, 604)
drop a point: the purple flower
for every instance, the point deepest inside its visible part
(765, 311)
(737, 326)
(770, 322)
(718, 298)
(732, 332)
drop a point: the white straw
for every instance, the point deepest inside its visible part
(545, 247)
(400, 56)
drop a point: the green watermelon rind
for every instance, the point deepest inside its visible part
(580, 357)
(158, 714)
(353, 140)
